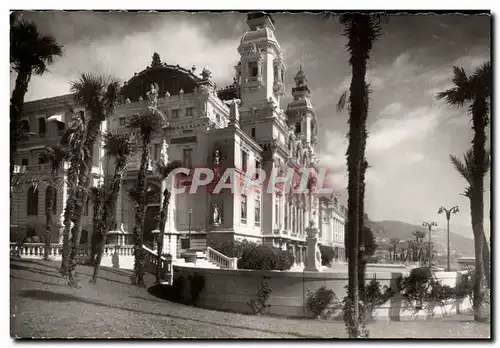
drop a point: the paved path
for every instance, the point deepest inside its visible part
(43, 306)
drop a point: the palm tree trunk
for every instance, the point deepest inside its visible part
(16, 111)
(479, 114)
(48, 222)
(108, 213)
(68, 214)
(96, 219)
(84, 183)
(139, 214)
(162, 223)
(361, 254)
(486, 262)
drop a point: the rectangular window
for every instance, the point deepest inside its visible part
(189, 112)
(41, 126)
(253, 69)
(298, 128)
(257, 208)
(176, 113)
(24, 162)
(276, 212)
(122, 121)
(243, 208)
(187, 158)
(253, 132)
(244, 161)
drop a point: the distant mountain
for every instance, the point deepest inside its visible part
(385, 230)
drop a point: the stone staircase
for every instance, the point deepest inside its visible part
(206, 259)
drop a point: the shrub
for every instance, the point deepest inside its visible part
(376, 295)
(465, 285)
(35, 239)
(327, 254)
(232, 248)
(421, 285)
(263, 257)
(318, 301)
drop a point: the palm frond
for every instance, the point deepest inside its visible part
(30, 50)
(145, 124)
(341, 104)
(55, 156)
(164, 170)
(463, 168)
(118, 145)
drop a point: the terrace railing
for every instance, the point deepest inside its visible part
(151, 262)
(221, 260)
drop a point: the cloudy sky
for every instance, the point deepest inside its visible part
(411, 134)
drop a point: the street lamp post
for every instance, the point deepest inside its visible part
(189, 228)
(429, 226)
(448, 212)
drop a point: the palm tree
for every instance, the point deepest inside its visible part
(394, 242)
(465, 170)
(119, 146)
(73, 140)
(475, 90)
(55, 157)
(164, 170)
(97, 196)
(98, 94)
(30, 54)
(144, 125)
(362, 31)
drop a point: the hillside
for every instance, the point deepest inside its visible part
(385, 230)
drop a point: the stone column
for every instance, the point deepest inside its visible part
(312, 262)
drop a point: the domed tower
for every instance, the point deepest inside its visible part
(300, 111)
(261, 69)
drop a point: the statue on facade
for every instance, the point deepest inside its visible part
(163, 152)
(167, 95)
(206, 74)
(141, 98)
(216, 218)
(217, 157)
(128, 101)
(152, 95)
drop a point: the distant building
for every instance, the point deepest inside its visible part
(260, 131)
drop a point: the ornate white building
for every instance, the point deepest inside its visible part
(243, 126)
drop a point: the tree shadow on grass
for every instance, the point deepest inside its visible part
(36, 281)
(34, 270)
(46, 295)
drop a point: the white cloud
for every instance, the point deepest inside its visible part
(389, 132)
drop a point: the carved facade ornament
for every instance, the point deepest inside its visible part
(206, 74)
(152, 95)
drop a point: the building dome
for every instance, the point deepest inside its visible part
(257, 35)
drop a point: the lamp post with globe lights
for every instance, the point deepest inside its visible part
(448, 212)
(429, 227)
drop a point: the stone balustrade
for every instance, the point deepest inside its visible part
(116, 256)
(220, 259)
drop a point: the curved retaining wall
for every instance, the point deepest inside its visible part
(230, 290)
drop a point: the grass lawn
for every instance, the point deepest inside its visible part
(42, 306)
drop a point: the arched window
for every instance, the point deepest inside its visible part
(51, 192)
(32, 201)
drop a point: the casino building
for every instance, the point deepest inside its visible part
(245, 125)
